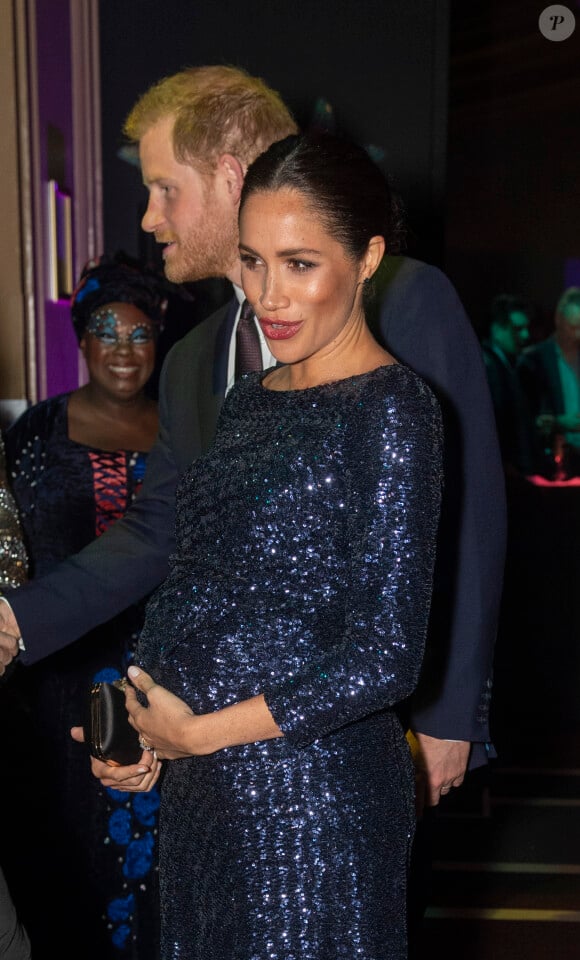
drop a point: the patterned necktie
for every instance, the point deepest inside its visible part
(248, 349)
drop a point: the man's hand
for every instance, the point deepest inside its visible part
(439, 766)
(9, 636)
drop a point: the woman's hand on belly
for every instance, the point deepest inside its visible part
(170, 727)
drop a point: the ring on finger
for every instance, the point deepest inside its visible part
(146, 746)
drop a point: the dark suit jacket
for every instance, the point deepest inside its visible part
(422, 321)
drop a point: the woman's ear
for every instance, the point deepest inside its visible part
(232, 173)
(373, 256)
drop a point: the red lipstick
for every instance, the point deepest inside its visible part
(276, 330)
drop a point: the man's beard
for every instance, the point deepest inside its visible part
(209, 250)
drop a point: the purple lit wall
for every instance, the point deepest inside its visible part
(572, 272)
(58, 351)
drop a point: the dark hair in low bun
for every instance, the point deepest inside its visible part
(341, 182)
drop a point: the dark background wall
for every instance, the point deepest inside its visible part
(381, 64)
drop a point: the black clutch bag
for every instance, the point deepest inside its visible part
(108, 733)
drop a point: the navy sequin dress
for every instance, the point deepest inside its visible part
(305, 550)
(95, 849)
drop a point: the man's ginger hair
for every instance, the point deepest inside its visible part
(217, 110)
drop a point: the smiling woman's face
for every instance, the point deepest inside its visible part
(305, 289)
(119, 349)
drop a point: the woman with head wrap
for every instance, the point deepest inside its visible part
(75, 463)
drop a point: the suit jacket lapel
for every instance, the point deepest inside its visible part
(222, 348)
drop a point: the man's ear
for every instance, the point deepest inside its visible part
(232, 173)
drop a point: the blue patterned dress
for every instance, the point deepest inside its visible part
(305, 551)
(94, 849)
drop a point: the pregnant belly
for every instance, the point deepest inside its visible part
(213, 643)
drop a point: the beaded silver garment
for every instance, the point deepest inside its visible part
(13, 560)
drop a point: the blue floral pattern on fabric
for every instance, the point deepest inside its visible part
(121, 908)
(139, 857)
(121, 936)
(120, 826)
(146, 806)
(136, 852)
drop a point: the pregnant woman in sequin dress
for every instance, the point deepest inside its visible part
(293, 619)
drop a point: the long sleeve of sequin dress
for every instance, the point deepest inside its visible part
(305, 551)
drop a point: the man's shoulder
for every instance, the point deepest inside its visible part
(404, 269)
(202, 335)
(418, 299)
(538, 352)
(414, 282)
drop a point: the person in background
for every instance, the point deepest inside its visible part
(549, 373)
(75, 463)
(197, 131)
(294, 616)
(14, 939)
(509, 333)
